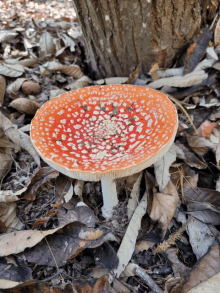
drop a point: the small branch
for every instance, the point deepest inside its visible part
(133, 269)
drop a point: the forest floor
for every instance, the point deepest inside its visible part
(53, 237)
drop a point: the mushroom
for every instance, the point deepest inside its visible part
(103, 133)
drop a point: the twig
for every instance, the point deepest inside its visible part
(134, 269)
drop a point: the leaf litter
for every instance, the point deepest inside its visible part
(51, 225)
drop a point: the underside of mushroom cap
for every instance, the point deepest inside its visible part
(104, 131)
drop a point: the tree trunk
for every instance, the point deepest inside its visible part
(121, 34)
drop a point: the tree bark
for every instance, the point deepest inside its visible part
(121, 34)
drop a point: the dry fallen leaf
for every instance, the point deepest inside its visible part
(209, 286)
(5, 164)
(76, 235)
(31, 88)
(41, 177)
(162, 166)
(9, 217)
(164, 206)
(217, 34)
(71, 70)
(6, 35)
(206, 128)
(10, 196)
(16, 242)
(207, 267)
(24, 62)
(190, 158)
(11, 70)
(201, 237)
(18, 137)
(179, 268)
(47, 46)
(15, 86)
(200, 145)
(187, 80)
(79, 83)
(2, 88)
(24, 105)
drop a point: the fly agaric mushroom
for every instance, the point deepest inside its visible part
(104, 133)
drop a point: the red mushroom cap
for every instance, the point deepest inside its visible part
(113, 131)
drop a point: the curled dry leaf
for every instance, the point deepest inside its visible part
(47, 46)
(187, 80)
(170, 72)
(209, 286)
(17, 242)
(200, 145)
(2, 88)
(25, 105)
(67, 41)
(207, 267)
(11, 70)
(5, 164)
(78, 237)
(217, 34)
(9, 217)
(31, 88)
(71, 70)
(190, 158)
(206, 128)
(164, 206)
(200, 237)
(24, 62)
(79, 83)
(15, 86)
(179, 268)
(127, 246)
(10, 196)
(18, 137)
(162, 166)
(6, 35)
(41, 177)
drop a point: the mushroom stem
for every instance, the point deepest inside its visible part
(110, 198)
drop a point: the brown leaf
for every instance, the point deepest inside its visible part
(133, 76)
(5, 164)
(47, 46)
(2, 227)
(71, 70)
(31, 88)
(16, 242)
(15, 86)
(164, 206)
(207, 267)
(2, 88)
(9, 217)
(88, 286)
(199, 194)
(11, 70)
(200, 145)
(25, 105)
(24, 62)
(206, 128)
(41, 177)
(201, 236)
(80, 213)
(190, 158)
(39, 222)
(217, 34)
(179, 268)
(79, 83)
(75, 234)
